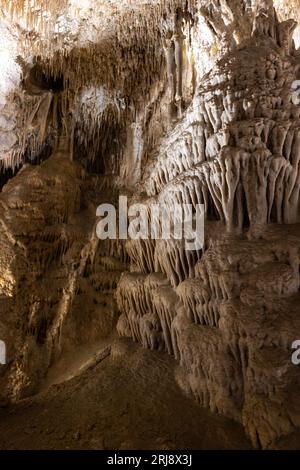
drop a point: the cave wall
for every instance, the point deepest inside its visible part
(177, 102)
(229, 315)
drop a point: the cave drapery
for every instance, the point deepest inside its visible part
(166, 102)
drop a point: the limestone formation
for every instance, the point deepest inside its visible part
(170, 103)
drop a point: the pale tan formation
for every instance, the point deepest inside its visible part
(170, 102)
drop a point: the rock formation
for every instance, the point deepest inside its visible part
(170, 102)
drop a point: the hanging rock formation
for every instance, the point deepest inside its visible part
(170, 102)
(230, 316)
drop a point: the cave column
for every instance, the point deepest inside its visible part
(178, 39)
(171, 70)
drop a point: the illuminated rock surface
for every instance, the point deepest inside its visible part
(167, 102)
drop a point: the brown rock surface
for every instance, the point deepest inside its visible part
(167, 102)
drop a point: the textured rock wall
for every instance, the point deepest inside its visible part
(229, 315)
(172, 102)
(57, 282)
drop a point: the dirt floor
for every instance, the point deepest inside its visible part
(126, 400)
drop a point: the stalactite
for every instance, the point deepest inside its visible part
(178, 43)
(237, 153)
(171, 102)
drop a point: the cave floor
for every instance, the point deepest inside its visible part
(128, 401)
